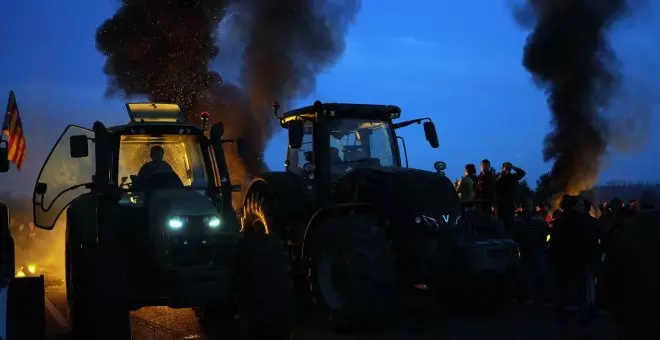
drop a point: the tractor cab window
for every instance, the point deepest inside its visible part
(358, 143)
(150, 162)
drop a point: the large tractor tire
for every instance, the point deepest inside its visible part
(352, 271)
(264, 287)
(257, 216)
(261, 304)
(92, 311)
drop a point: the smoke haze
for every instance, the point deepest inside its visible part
(163, 49)
(571, 59)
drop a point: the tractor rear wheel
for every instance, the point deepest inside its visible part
(352, 271)
(264, 287)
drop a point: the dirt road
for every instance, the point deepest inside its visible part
(422, 321)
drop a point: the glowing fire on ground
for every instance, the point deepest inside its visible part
(30, 269)
(44, 255)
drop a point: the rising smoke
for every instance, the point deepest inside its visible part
(163, 49)
(571, 59)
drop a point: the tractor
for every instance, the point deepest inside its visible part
(150, 222)
(22, 311)
(360, 226)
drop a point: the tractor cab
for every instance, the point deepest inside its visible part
(327, 141)
(157, 150)
(353, 135)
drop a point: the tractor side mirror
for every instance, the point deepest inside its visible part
(4, 158)
(431, 134)
(440, 166)
(296, 132)
(41, 188)
(78, 146)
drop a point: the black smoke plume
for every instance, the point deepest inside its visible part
(570, 57)
(163, 49)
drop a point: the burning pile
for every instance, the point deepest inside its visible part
(570, 58)
(163, 49)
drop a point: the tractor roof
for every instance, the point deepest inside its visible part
(342, 110)
(156, 118)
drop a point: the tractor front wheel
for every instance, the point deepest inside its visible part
(351, 270)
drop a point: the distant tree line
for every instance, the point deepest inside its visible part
(624, 190)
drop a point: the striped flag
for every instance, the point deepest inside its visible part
(13, 128)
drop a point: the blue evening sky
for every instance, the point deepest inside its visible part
(457, 62)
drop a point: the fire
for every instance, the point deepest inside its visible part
(32, 268)
(20, 273)
(24, 271)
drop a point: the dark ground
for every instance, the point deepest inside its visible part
(422, 321)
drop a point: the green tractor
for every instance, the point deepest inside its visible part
(22, 311)
(150, 223)
(360, 226)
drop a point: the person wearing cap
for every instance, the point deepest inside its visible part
(506, 185)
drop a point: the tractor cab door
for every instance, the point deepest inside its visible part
(301, 161)
(66, 175)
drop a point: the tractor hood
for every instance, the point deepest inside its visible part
(405, 196)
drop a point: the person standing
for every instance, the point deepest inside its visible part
(574, 253)
(531, 233)
(485, 189)
(465, 185)
(506, 185)
(632, 272)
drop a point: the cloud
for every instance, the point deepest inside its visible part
(415, 42)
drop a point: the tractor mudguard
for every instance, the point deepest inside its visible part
(82, 219)
(327, 211)
(286, 194)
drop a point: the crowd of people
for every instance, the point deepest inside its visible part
(605, 256)
(496, 191)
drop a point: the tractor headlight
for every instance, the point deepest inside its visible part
(212, 221)
(176, 222)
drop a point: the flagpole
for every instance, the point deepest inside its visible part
(4, 120)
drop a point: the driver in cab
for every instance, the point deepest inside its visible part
(155, 166)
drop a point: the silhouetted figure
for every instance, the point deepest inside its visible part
(506, 188)
(156, 165)
(575, 254)
(485, 189)
(531, 232)
(632, 272)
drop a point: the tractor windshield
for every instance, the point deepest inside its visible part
(357, 143)
(177, 157)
